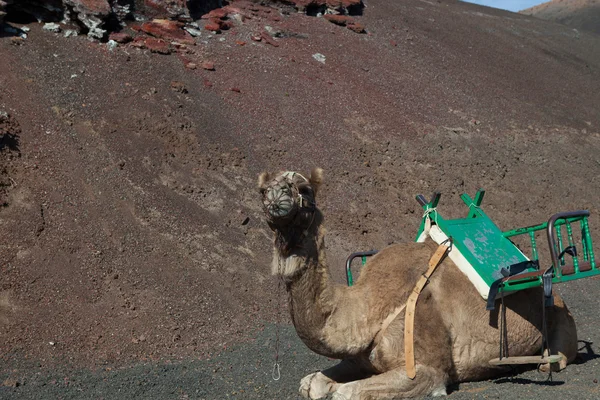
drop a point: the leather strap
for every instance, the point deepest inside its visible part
(409, 318)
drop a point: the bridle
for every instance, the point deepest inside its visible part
(289, 198)
(300, 212)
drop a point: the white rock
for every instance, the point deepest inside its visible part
(25, 28)
(70, 32)
(52, 27)
(111, 45)
(319, 57)
(193, 31)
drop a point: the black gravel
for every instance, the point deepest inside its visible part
(245, 371)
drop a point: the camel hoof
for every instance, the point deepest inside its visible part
(316, 386)
(556, 367)
(344, 392)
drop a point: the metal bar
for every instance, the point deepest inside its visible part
(422, 201)
(584, 244)
(550, 234)
(466, 199)
(351, 257)
(588, 239)
(479, 197)
(435, 199)
(570, 238)
(539, 227)
(560, 244)
(534, 253)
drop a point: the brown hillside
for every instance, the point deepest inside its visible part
(131, 227)
(579, 14)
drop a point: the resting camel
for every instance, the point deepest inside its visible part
(454, 335)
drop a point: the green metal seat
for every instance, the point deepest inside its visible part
(485, 253)
(488, 250)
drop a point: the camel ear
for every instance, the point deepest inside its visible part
(316, 178)
(263, 178)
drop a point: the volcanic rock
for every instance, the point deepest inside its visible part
(92, 14)
(168, 30)
(120, 37)
(208, 65)
(52, 27)
(356, 27)
(213, 27)
(157, 46)
(341, 20)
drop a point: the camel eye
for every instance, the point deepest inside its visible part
(305, 191)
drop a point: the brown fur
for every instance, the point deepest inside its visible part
(455, 337)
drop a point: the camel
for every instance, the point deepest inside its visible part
(454, 336)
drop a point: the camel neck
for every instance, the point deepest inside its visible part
(311, 295)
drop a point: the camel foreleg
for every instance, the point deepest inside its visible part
(319, 384)
(395, 384)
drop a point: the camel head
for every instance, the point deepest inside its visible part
(289, 198)
(289, 203)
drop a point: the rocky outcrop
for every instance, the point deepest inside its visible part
(93, 14)
(99, 18)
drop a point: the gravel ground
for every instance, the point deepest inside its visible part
(245, 371)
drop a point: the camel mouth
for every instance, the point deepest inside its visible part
(280, 201)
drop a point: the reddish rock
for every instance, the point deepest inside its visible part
(336, 4)
(157, 46)
(175, 9)
(91, 6)
(207, 83)
(168, 30)
(190, 65)
(356, 27)
(218, 13)
(267, 38)
(139, 41)
(240, 42)
(213, 27)
(208, 65)
(223, 25)
(341, 20)
(236, 89)
(256, 38)
(120, 37)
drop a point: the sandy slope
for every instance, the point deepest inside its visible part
(580, 14)
(132, 230)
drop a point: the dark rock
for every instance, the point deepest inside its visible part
(120, 37)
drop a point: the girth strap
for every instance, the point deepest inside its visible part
(409, 317)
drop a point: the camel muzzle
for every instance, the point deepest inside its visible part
(280, 201)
